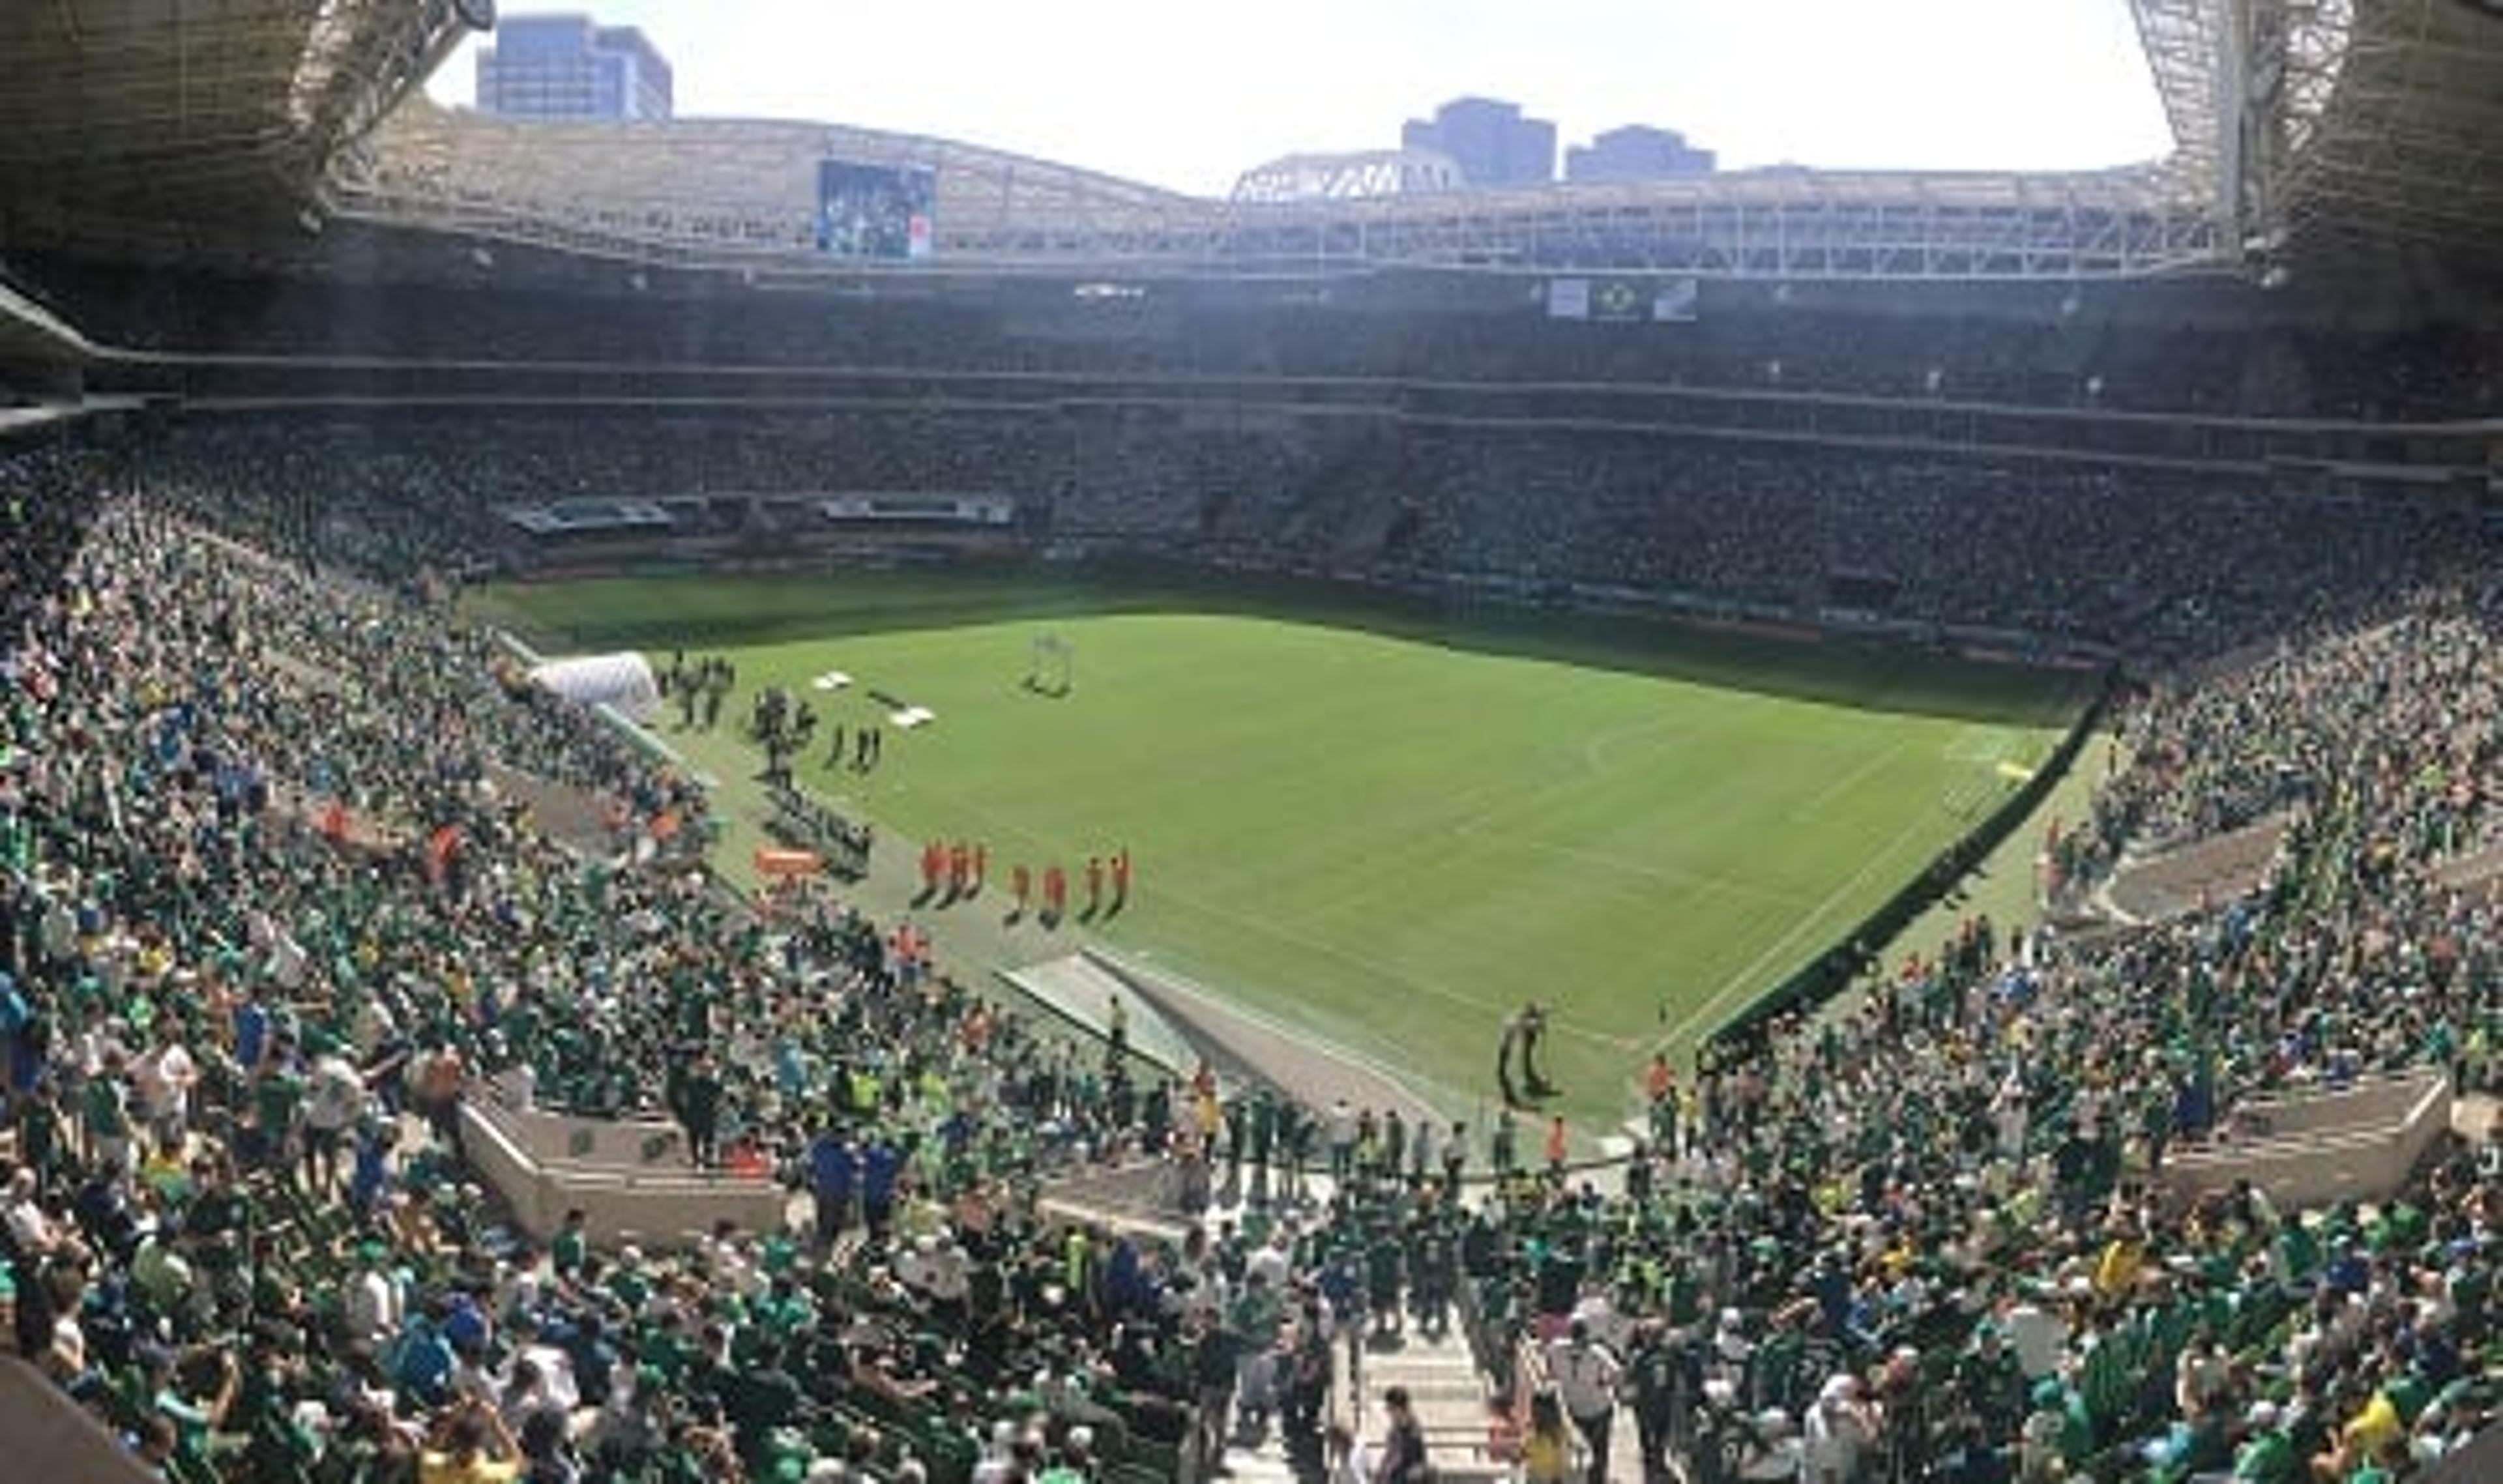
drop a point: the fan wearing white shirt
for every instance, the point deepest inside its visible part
(331, 1107)
(1586, 1373)
(163, 1079)
(372, 1304)
(30, 1227)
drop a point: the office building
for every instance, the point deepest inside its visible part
(1489, 141)
(571, 67)
(1636, 151)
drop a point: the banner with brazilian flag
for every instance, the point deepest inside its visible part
(1623, 300)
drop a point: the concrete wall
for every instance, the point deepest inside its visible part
(555, 1138)
(2480, 1463)
(622, 1195)
(51, 1437)
(2316, 1149)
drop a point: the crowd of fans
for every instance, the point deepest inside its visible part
(269, 891)
(2159, 565)
(1964, 1176)
(274, 901)
(2131, 562)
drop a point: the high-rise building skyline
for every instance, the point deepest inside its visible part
(1489, 140)
(1638, 152)
(569, 66)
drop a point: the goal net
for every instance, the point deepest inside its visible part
(1050, 666)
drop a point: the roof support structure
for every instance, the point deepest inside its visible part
(2304, 127)
(123, 121)
(2317, 126)
(737, 195)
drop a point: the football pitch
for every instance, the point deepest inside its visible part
(1388, 824)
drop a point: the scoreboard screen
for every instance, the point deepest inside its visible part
(876, 211)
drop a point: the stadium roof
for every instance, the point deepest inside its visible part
(729, 186)
(2319, 126)
(2302, 127)
(2390, 121)
(1349, 176)
(2305, 127)
(28, 329)
(727, 192)
(133, 115)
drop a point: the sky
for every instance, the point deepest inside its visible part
(1191, 93)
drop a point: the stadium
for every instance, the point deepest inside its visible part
(724, 798)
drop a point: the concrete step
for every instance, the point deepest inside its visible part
(1265, 1465)
(1448, 1395)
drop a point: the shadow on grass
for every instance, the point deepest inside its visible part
(703, 612)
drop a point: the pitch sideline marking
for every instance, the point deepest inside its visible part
(1694, 879)
(1782, 944)
(1983, 744)
(1431, 987)
(1860, 773)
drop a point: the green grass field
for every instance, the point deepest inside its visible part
(1388, 822)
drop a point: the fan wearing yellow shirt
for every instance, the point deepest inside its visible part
(2362, 1442)
(470, 1445)
(2116, 1270)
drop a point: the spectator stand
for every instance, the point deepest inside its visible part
(1150, 1195)
(1906, 1194)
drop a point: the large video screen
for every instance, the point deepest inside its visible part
(876, 211)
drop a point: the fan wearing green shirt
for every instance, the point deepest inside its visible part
(39, 1132)
(194, 1418)
(2266, 1455)
(104, 1115)
(1386, 1265)
(277, 1103)
(570, 1246)
(1253, 1321)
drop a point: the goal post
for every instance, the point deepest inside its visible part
(1051, 664)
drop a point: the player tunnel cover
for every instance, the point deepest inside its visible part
(622, 681)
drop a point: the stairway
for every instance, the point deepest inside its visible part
(1448, 1396)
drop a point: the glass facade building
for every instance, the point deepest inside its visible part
(571, 67)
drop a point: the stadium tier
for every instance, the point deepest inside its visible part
(747, 800)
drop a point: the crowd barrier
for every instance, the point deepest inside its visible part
(2314, 1149)
(630, 1178)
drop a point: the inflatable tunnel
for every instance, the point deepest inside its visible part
(624, 681)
